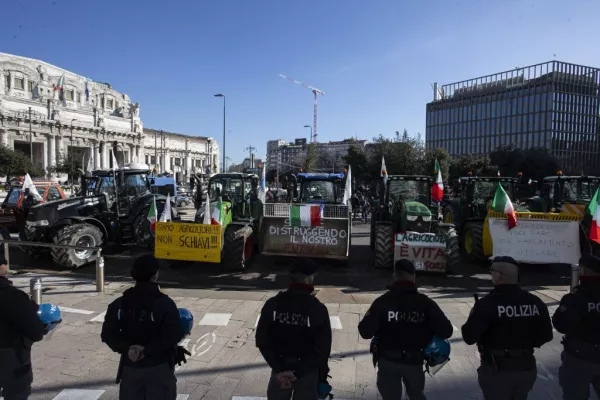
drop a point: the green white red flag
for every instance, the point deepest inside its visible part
(216, 217)
(152, 214)
(594, 210)
(437, 191)
(502, 204)
(306, 215)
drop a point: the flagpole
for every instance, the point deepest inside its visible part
(30, 138)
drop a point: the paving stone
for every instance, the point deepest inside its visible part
(221, 389)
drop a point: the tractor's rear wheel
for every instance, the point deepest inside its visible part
(384, 246)
(473, 242)
(76, 235)
(238, 249)
(452, 250)
(35, 252)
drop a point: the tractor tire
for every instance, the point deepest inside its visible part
(34, 252)
(144, 236)
(452, 250)
(238, 249)
(384, 247)
(473, 242)
(78, 234)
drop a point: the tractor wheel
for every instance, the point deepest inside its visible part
(452, 251)
(144, 236)
(384, 246)
(76, 235)
(238, 249)
(448, 216)
(473, 242)
(34, 252)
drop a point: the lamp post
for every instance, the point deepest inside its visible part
(30, 138)
(223, 96)
(72, 156)
(310, 138)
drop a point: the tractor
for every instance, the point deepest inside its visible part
(241, 215)
(407, 225)
(112, 206)
(469, 211)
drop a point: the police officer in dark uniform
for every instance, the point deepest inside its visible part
(578, 317)
(507, 325)
(403, 322)
(20, 327)
(294, 336)
(144, 327)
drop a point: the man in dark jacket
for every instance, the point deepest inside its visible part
(507, 325)
(143, 326)
(20, 327)
(403, 321)
(294, 336)
(578, 318)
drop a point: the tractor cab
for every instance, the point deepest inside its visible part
(408, 200)
(320, 188)
(566, 194)
(525, 189)
(237, 192)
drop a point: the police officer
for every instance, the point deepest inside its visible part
(578, 317)
(507, 325)
(294, 337)
(403, 322)
(144, 327)
(20, 327)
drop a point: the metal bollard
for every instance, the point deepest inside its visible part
(574, 276)
(99, 272)
(35, 289)
(6, 255)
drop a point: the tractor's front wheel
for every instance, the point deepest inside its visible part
(76, 235)
(384, 246)
(452, 250)
(473, 242)
(238, 249)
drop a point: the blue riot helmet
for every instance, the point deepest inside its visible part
(437, 354)
(187, 320)
(49, 314)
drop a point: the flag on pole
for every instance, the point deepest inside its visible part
(306, 215)
(262, 189)
(437, 191)
(348, 188)
(61, 88)
(206, 220)
(502, 204)
(114, 160)
(166, 214)
(90, 163)
(594, 210)
(28, 184)
(152, 214)
(217, 214)
(384, 173)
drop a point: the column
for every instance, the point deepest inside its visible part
(132, 154)
(97, 156)
(45, 155)
(52, 145)
(60, 149)
(188, 163)
(3, 138)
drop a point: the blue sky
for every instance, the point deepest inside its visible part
(374, 59)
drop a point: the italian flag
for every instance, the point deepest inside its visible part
(152, 215)
(215, 218)
(502, 204)
(594, 211)
(437, 191)
(306, 215)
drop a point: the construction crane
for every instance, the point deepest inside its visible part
(315, 92)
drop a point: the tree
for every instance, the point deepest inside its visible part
(70, 162)
(443, 158)
(478, 166)
(15, 162)
(538, 163)
(403, 154)
(508, 159)
(311, 157)
(357, 159)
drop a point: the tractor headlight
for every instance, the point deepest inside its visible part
(411, 217)
(42, 222)
(427, 219)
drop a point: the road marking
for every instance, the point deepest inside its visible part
(336, 323)
(257, 319)
(75, 310)
(236, 287)
(547, 374)
(99, 317)
(215, 319)
(79, 394)
(454, 327)
(247, 398)
(201, 347)
(182, 396)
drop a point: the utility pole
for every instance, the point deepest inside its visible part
(31, 137)
(155, 151)
(250, 149)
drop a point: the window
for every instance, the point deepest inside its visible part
(52, 194)
(7, 81)
(69, 95)
(78, 97)
(20, 83)
(30, 86)
(109, 104)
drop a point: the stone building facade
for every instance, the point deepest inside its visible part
(50, 110)
(180, 154)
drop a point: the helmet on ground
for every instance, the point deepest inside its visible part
(187, 320)
(437, 352)
(49, 314)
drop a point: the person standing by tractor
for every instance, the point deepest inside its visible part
(507, 325)
(578, 318)
(294, 336)
(402, 322)
(20, 327)
(144, 327)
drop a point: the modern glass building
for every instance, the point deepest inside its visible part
(553, 105)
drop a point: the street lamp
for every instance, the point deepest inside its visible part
(72, 156)
(30, 137)
(223, 96)
(310, 138)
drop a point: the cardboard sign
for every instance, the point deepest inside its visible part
(188, 242)
(536, 241)
(426, 250)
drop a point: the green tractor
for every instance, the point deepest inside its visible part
(565, 194)
(406, 224)
(468, 212)
(241, 215)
